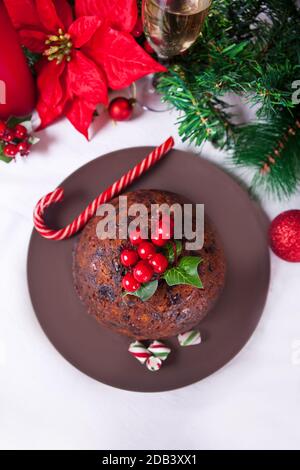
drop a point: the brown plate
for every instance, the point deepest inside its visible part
(101, 353)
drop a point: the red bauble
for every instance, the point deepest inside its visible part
(17, 89)
(129, 283)
(2, 128)
(120, 109)
(138, 29)
(284, 236)
(143, 272)
(129, 257)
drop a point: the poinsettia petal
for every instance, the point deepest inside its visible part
(48, 114)
(80, 114)
(49, 82)
(22, 13)
(83, 29)
(122, 59)
(86, 80)
(49, 111)
(32, 39)
(120, 14)
(48, 15)
(64, 11)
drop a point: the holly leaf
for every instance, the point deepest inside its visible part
(185, 273)
(14, 120)
(3, 158)
(169, 250)
(146, 291)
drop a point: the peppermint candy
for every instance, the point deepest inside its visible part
(139, 351)
(159, 349)
(153, 363)
(190, 338)
(153, 356)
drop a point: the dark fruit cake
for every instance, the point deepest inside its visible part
(98, 270)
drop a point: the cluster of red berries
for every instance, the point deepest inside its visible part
(15, 140)
(145, 261)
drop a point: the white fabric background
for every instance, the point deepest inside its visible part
(252, 403)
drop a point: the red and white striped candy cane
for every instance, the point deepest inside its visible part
(115, 189)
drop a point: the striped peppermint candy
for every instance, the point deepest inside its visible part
(115, 189)
(190, 338)
(153, 363)
(139, 351)
(159, 349)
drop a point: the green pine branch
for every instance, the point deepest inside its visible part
(250, 49)
(272, 151)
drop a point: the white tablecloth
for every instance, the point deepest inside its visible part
(45, 402)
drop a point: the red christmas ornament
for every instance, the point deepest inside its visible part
(284, 236)
(2, 128)
(138, 29)
(120, 109)
(17, 89)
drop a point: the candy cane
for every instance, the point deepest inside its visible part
(115, 189)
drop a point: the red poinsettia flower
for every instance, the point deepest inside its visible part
(81, 57)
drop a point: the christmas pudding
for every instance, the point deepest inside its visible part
(147, 289)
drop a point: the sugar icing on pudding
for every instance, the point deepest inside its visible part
(99, 270)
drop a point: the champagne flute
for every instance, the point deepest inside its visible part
(171, 27)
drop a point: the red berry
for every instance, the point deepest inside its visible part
(143, 272)
(10, 150)
(23, 148)
(146, 250)
(120, 109)
(8, 135)
(163, 232)
(129, 257)
(20, 131)
(135, 237)
(159, 263)
(129, 283)
(2, 128)
(138, 29)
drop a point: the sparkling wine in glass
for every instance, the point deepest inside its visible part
(171, 27)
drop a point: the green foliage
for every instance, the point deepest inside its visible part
(250, 48)
(146, 291)
(32, 58)
(272, 149)
(186, 272)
